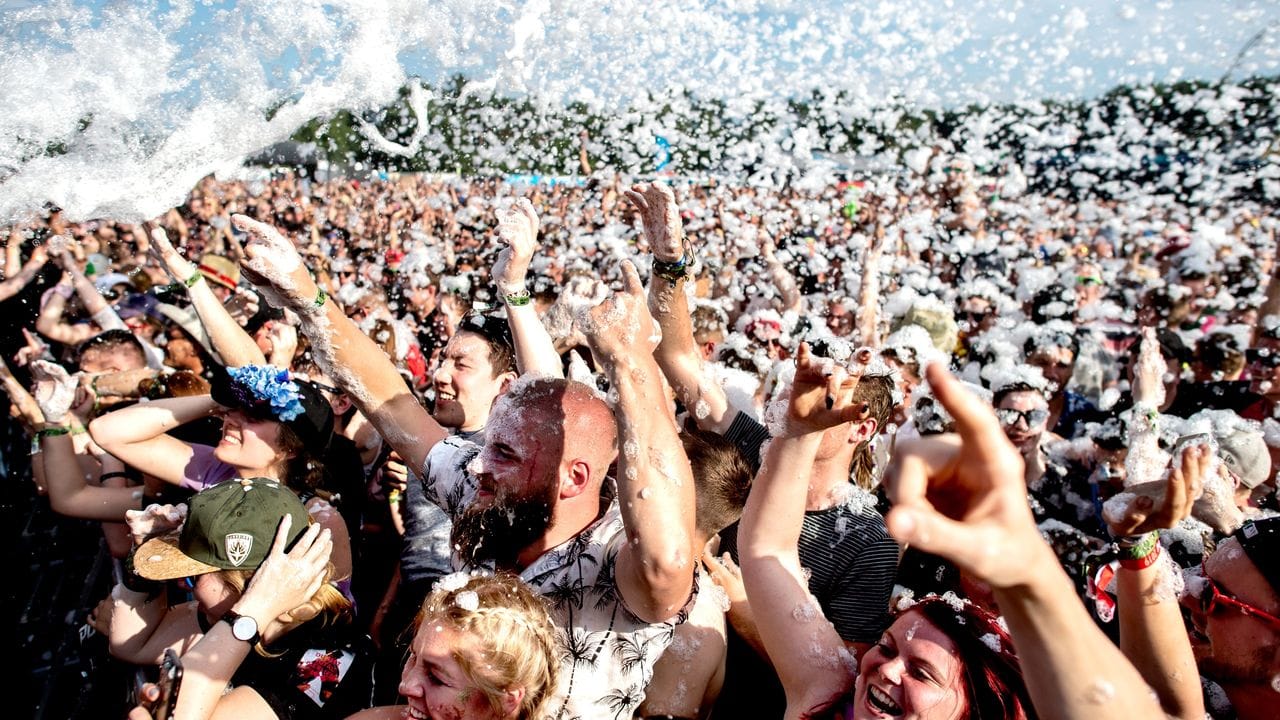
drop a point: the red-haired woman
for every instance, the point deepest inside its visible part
(962, 498)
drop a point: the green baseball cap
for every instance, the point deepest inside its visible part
(229, 526)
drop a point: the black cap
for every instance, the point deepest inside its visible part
(1261, 542)
(264, 392)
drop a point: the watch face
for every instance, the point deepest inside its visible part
(244, 628)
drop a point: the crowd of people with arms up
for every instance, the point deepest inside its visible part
(917, 446)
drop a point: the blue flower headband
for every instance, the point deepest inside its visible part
(263, 385)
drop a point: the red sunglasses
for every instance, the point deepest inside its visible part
(1212, 597)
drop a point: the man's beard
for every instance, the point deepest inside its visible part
(500, 531)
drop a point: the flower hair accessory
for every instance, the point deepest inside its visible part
(262, 387)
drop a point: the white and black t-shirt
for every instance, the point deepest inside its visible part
(607, 653)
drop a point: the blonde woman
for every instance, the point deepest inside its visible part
(485, 649)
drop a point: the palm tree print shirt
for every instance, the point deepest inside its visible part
(607, 654)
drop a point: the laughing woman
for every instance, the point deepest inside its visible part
(272, 427)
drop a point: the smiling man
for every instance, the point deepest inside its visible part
(477, 366)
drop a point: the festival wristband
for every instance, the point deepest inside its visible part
(196, 277)
(1137, 552)
(321, 296)
(517, 299)
(1143, 562)
(52, 432)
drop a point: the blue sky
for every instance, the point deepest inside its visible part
(936, 51)
(176, 89)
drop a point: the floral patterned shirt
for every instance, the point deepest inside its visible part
(607, 654)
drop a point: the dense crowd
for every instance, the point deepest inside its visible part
(924, 444)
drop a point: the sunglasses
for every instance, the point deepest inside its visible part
(1009, 417)
(1212, 598)
(974, 318)
(1088, 280)
(325, 388)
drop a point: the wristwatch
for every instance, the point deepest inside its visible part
(243, 627)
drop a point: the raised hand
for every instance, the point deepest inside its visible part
(768, 248)
(1148, 374)
(243, 305)
(178, 266)
(518, 228)
(725, 573)
(963, 497)
(55, 390)
(621, 323)
(287, 580)
(822, 393)
(58, 248)
(661, 219)
(284, 343)
(273, 264)
(1161, 504)
(34, 349)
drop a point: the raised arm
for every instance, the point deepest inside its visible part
(233, 345)
(869, 290)
(535, 352)
(788, 291)
(143, 624)
(13, 250)
(963, 498)
(70, 493)
(103, 315)
(769, 536)
(1152, 634)
(655, 484)
(137, 434)
(22, 404)
(584, 161)
(14, 283)
(677, 353)
(49, 322)
(345, 353)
